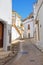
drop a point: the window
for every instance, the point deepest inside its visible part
(28, 26)
(10, 38)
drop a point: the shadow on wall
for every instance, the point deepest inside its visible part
(15, 34)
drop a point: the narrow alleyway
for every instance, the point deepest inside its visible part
(30, 55)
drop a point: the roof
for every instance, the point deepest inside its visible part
(29, 17)
(14, 12)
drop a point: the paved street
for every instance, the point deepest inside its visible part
(29, 56)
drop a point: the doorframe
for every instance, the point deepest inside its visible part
(2, 33)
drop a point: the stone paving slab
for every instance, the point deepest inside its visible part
(37, 44)
(5, 56)
(33, 57)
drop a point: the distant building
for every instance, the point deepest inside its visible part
(5, 23)
(28, 27)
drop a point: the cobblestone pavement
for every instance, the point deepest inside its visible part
(30, 55)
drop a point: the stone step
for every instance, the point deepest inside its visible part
(7, 58)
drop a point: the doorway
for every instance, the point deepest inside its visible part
(1, 34)
(28, 30)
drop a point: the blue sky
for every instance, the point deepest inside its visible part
(23, 7)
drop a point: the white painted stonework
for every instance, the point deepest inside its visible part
(15, 34)
(26, 31)
(39, 16)
(6, 10)
(18, 21)
(16, 18)
(36, 7)
(6, 19)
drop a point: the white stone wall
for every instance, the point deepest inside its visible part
(6, 36)
(40, 17)
(15, 34)
(26, 28)
(6, 10)
(16, 18)
(6, 19)
(18, 21)
(39, 13)
(36, 7)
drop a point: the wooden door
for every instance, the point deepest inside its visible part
(1, 35)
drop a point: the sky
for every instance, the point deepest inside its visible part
(23, 7)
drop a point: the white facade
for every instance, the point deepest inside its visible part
(31, 30)
(6, 19)
(6, 10)
(40, 18)
(15, 34)
(16, 21)
(16, 18)
(38, 15)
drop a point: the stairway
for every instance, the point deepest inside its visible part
(17, 29)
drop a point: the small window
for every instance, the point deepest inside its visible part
(10, 38)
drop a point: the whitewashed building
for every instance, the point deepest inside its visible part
(28, 27)
(5, 23)
(16, 28)
(38, 17)
(16, 18)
